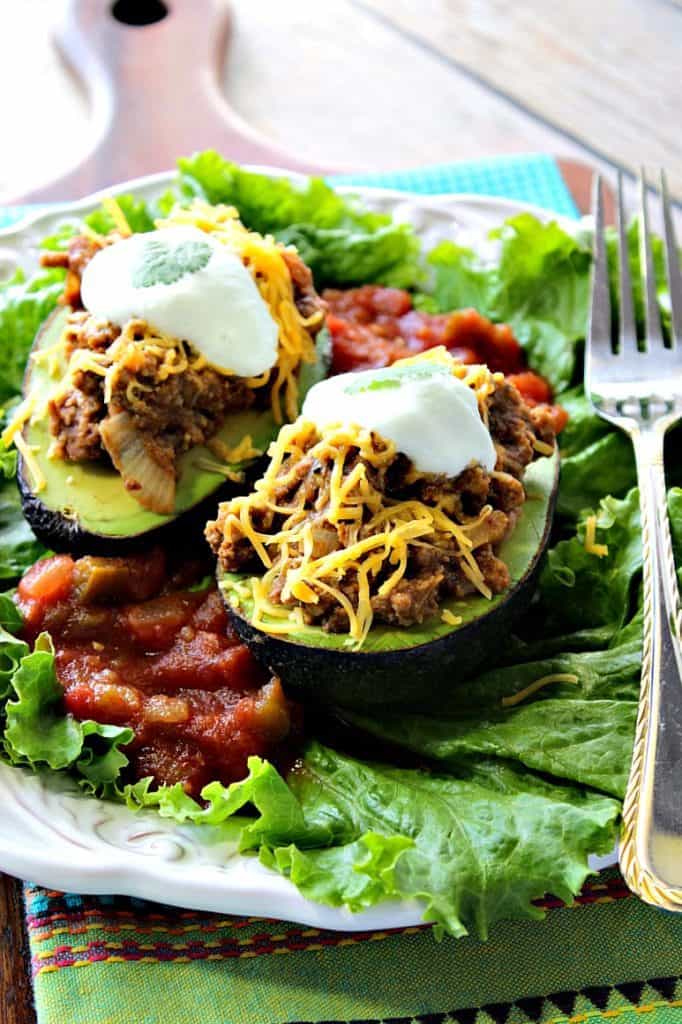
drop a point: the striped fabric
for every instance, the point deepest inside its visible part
(123, 961)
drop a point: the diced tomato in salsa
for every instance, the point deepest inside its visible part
(373, 326)
(48, 581)
(134, 649)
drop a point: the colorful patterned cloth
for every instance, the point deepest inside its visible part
(121, 961)
(115, 960)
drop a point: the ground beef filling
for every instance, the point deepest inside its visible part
(434, 570)
(169, 415)
(172, 415)
(135, 646)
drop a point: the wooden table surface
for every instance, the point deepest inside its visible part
(376, 84)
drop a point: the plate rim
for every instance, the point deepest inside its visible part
(159, 178)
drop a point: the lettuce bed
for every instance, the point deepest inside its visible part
(510, 796)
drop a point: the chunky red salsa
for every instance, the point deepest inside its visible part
(136, 646)
(373, 326)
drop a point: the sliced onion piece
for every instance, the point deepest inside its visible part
(150, 483)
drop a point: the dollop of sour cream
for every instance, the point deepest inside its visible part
(189, 286)
(430, 415)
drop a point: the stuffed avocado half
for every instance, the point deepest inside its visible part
(395, 536)
(176, 356)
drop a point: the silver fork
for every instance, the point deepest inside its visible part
(639, 389)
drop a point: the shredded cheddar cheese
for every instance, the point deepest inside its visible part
(229, 457)
(236, 476)
(128, 352)
(542, 448)
(118, 216)
(450, 618)
(93, 235)
(22, 414)
(538, 684)
(263, 257)
(28, 454)
(591, 546)
(238, 453)
(374, 533)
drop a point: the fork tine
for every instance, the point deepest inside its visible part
(599, 331)
(672, 260)
(627, 331)
(654, 335)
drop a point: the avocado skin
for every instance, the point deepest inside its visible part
(65, 534)
(412, 678)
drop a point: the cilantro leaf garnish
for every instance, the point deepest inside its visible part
(162, 261)
(396, 376)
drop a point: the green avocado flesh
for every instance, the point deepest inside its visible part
(93, 495)
(521, 551)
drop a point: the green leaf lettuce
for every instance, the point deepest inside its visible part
(342, 243)
(38, 733)
(539, 285)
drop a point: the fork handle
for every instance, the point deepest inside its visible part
(651, 849)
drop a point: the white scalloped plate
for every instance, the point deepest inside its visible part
(50, 832)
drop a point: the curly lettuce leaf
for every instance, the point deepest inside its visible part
(580, 591)
(10, 619)
(675, 513)
(36, 730)
(38, 733)
(578, 728)
(339, 256)
(539, 285)
(485, 841)
(542, 291)
(8, 459)
(607, 466)
(59, 240)
(281, 817)
(341, 242)
(459, 278)
(596, 459)
(569, 712)
(482, 843)
(475, 846)
(270, 204)
(12, 650)
(583, 741)
(24, 305)
(138, 213)
(583, 428)
(19, 547)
